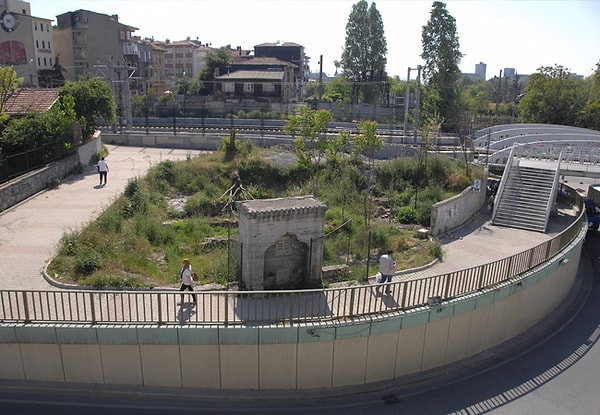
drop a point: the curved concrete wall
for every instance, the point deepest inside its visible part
(289, 358)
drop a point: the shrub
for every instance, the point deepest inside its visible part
(406, 214)
(86, 262)
(114, 281)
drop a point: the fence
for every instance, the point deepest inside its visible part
(17, 164)
(283, 308)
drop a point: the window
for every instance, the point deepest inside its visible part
(47, 27)
(43, 44)
(268, 87)
(51, 64)
(248, 87)
(45, 64)
(35, 26)
(37, 43)
(39, 62)
(228, 87)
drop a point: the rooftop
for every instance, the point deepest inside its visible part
(27, 100)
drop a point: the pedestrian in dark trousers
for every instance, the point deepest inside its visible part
(387, 267)
(187, 281)
(102, 170)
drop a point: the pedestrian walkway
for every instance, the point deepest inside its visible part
(479, 242)
(31, 230)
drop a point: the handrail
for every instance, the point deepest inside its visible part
(281, 308)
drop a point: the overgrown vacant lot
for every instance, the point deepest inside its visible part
(185, 210)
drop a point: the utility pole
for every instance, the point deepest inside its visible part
(498, 93)
(122, 94)
(321, 78)
(417, 101)
(406, 102)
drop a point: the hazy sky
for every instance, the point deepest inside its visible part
(520, 34)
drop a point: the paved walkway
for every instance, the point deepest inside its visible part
(31, 231)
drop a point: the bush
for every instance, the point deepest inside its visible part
(406, 214)
(86, 263)
(114, 281)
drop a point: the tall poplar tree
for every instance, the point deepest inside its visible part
(441, 53)
(365, 49)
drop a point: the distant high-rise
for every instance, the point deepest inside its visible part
(480, 69)
(509, 73)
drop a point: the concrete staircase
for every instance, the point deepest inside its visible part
(526, 196)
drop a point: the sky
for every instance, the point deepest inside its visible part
(520, 34)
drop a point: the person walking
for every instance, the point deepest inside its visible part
(102, 170)
(187, 281)
(387, 266)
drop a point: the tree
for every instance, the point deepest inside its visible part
(367, 142)
(474, 95)
(590, 115)
(441, 53)
(49, 131)
(9, 82)
(307, 126)
(552, 96)
(365, 49)
(93, 100)
(217, 63)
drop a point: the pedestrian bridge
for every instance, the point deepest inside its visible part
(577, 148)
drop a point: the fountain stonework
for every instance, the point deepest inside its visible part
(281, 242)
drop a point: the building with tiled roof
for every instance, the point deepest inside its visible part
(24, 101)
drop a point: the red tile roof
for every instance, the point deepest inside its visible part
(28, 100)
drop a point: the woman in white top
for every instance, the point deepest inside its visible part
(187, 280)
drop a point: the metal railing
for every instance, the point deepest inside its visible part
(283, 308)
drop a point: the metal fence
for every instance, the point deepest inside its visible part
(283, 308)
(18, 164)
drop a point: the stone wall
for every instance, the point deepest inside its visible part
(281, 242)
(452, 213)
(27, 185)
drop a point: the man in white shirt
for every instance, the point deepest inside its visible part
(102, 170)
(387, 267)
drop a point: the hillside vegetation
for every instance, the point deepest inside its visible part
(184, 209)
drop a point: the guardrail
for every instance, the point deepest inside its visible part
(283, 308)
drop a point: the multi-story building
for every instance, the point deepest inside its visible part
(25, 41)
(150, 74)
(480, 70)
(510, 73)
(157, 71)
(288, 52)
(179, 59)
(88, 41)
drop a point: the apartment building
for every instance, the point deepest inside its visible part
(150, 75)
(25, 42)
(88, 41)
